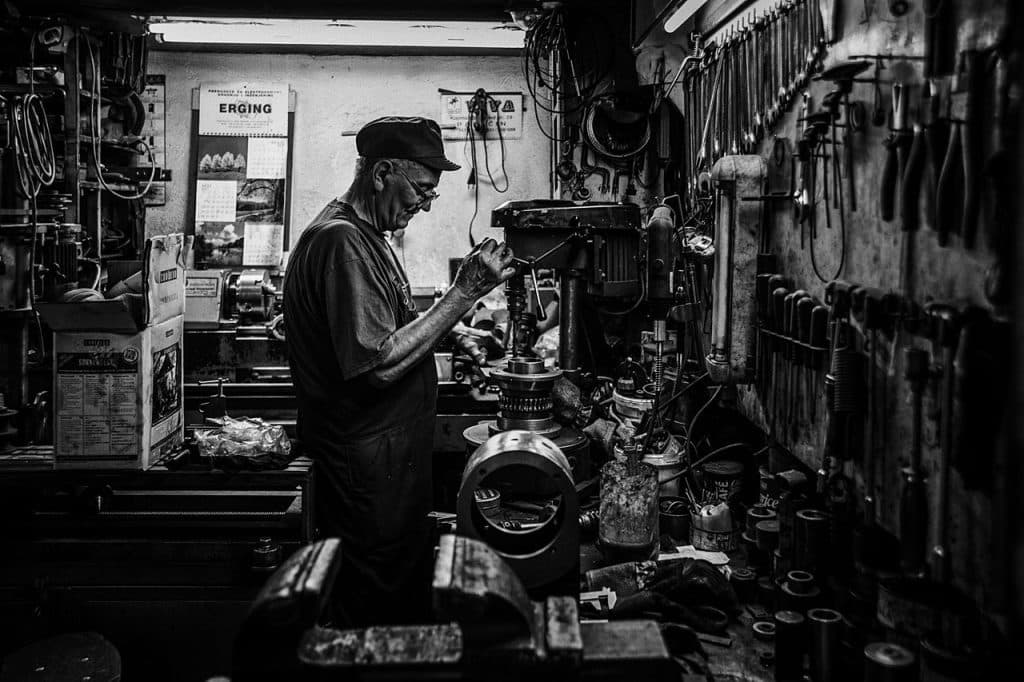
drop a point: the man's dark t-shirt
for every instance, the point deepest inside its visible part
(344, 295)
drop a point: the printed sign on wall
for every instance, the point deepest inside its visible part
(249, 109)
(504, 109)
(241, 175)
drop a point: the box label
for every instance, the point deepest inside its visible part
(97, 393)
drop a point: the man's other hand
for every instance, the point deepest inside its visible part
(485, 267)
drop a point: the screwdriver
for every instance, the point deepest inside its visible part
(804, 307)
(913, 498)
(819, 338)
(779, 295)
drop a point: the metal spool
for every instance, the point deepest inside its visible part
(525, 399)
(523, 460)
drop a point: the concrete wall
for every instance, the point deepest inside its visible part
(340, 93)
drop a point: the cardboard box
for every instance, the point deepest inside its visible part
(118, 379)
(119, 397)
(204, 291)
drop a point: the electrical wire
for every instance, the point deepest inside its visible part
(690, 467)
(713, 398)
(639, 300)
(95, 129)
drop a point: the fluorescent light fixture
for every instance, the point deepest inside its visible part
(685, 10)
(349, 33)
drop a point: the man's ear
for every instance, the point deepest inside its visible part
(380, 171)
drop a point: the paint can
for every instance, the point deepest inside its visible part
(722, 481)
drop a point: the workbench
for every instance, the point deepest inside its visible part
(162, 562)
(740, 660)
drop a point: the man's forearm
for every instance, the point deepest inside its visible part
(416, 340)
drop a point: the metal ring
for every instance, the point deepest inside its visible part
(541, 554)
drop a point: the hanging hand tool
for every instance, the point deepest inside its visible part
(1002, 184)
(763, 293)
(981, 394)
(869, 311)
(935, 137)
(913, 498)
(819, 339)
(793, 356)
(945, 323)
(972, 141)
(896, 148)
(779, 296)
(878, 104)
(803, 312)
(948, 206)
(913, 178)
(789, 318)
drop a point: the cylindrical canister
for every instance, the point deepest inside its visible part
(766, 535)
(790, 645)
(886, 662)
(799, 591)
(755, 515)
(825, 626)
(711, 528)
(811, 536)
(628, 521)
(723, 481)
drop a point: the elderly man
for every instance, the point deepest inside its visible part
(363, 366)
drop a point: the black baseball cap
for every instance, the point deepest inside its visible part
(404, 137)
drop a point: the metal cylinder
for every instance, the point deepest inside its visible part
(790, 645)
(825, 627)
(885, 662)
(811, 534)
(508, 461)
(569, 316)
(525, 395)
(754, 515)
(799, 592)
(766, 535)
(744, 581)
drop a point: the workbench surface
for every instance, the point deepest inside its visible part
(740, 660)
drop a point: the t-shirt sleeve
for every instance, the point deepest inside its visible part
(359, 318)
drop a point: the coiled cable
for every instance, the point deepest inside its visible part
(33, 145)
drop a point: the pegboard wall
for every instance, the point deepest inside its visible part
(871, 251)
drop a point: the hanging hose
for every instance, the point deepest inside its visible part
(33, 145)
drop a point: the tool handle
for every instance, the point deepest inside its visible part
(819, 334)
(913, 522)
(971, 140)
(913, 176)
(764, 295)
(779, 309)
(803, 312)
(789, 322)
(890, 173)
(947, 192)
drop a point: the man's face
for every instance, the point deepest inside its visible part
(405, 193)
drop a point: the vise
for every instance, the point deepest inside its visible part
(488, 629)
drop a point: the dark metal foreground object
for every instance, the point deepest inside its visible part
(494, 633)
(526, 460)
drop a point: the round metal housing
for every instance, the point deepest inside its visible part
(525, 395)
(521, 460)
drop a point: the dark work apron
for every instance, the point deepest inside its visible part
(375, 492)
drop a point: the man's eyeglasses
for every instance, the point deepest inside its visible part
(425, 197)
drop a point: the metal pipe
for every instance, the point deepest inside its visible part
(569, 321)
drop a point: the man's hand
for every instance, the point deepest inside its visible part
(485, 267)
